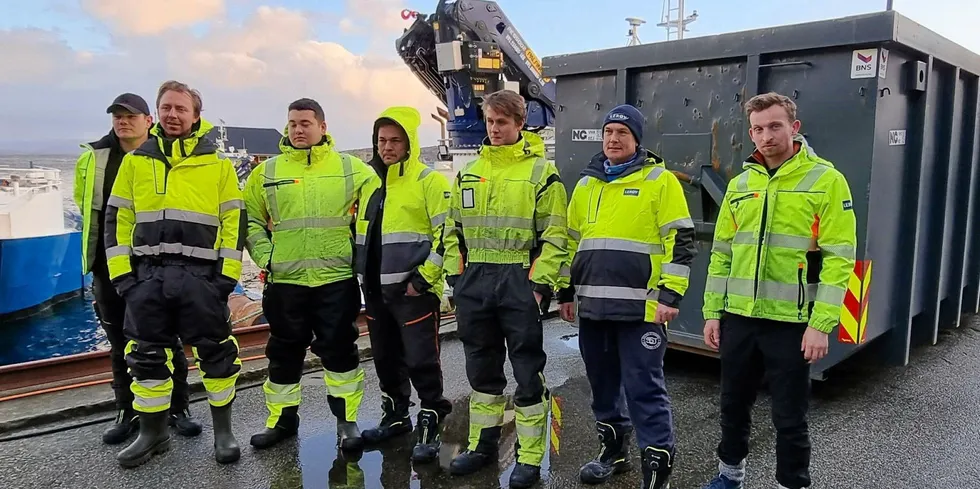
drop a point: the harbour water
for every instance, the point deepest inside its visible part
(67, 327)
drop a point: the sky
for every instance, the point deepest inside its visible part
(63, 61)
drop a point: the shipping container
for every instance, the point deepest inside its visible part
(892, 104)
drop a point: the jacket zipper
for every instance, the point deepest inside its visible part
(801, 291)
(762, 234)
(744, 197)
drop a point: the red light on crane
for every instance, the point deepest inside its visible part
(409, 14)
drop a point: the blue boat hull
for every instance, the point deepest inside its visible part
(36, 271)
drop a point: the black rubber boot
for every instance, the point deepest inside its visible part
(286, 427)
(154, 439)
(613, 458)
(471, 461)
(524, 476)
(127, 423)
(657, 466)
(184, 423)
(429, 441)
(226, 448)
(348, 434)
(395, 421)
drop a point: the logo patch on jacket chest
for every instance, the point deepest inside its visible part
(631, 191)
(848, 205)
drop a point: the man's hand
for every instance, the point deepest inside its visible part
(712, 334)
(262, 275)
(538, 298)
(567, 311)
(814, 345)
(410, 291)
(665, 314)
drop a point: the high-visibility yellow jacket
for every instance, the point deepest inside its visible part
(509, 206)
(411, 209)
(176, 197)
(632, 241)
(87, 192)
(302, 205)
(766, 228)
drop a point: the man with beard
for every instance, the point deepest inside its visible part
(95, 174)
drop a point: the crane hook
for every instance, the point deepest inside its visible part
(409, 14)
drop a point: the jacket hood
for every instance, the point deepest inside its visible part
(595, 168)
(320, 149)
(180, 149)
(409, 119)
(529, 145)
(105, 142)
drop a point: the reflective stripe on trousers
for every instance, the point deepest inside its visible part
(348, 386)
(279, 397)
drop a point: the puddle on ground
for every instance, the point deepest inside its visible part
(570, 340)
(390, 466)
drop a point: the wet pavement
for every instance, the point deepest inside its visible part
(872, 427)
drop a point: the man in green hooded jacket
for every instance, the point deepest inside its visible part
(400, 264)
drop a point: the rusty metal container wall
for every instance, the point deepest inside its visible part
(902, 128)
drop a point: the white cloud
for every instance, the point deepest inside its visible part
(248, 73)
(151, 17)
(376, 17)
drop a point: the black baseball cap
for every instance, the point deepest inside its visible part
(130, 102)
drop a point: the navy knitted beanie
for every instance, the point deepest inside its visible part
(630, 117)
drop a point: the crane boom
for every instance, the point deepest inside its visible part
(468, 49)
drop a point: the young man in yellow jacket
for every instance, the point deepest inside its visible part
(505, 247)
(400, 264)
(302, 206)
(175, 231)
(783, 252)
(632, 244)
(95, 173)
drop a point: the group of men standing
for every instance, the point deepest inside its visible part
(165, 226)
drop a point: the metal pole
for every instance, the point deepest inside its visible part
(680, 19)
(889, 5)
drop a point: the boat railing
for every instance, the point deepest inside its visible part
(16, 182)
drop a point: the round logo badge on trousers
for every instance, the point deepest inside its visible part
(650, 340)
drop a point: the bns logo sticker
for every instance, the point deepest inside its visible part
(847, 205)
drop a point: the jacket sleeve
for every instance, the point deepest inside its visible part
(551, 267)
(437, 195)
(367, 182)
(720, 264)
(81, 170)
(120, 222)
(837, 240)
(677, 235)
(234, 224)
(575, 210)
(259, 238)
(455, 245)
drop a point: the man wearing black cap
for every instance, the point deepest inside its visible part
(630, 253)
(95, 174)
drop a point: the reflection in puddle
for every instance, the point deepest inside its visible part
(570, 340)
(390, 466)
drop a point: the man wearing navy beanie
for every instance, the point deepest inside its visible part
(630, 254)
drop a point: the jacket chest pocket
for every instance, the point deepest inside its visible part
(513, 198)
(285, 197)
(747, 208)
(473, 195)
(796, 213)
